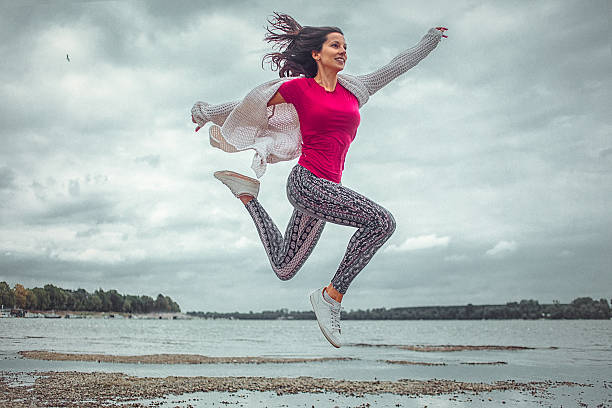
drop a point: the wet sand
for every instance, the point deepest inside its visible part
(405, 362)
(169, 358)
(78, 389)
(445, 347)
(200, 359)
(424, 363)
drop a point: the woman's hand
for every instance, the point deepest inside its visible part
(443, 29)
(194, 121)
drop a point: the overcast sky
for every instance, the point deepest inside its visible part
(494, 154)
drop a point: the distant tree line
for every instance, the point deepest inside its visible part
(580, 308)
(51, 297)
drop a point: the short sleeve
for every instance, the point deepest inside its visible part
(292, 91)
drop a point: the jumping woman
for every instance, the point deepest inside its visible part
(311, 112)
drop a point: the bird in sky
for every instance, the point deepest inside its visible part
(67, 57)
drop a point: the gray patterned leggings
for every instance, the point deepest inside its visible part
(315, 201)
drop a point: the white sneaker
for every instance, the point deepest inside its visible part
(238, 184)
(328, 317)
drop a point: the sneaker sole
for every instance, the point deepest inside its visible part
(244, 182)
(230, 173)
(314, 309)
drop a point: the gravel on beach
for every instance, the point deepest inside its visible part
(439, 363)
(200, 359)
(99, 389)
(445, 347)
(422, 363)
(169, 358)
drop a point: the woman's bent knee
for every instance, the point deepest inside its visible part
(384, 224)
(284, 275)
(390, 224)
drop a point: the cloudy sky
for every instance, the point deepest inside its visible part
(494, 153)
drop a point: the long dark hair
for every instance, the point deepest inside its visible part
(295, 45)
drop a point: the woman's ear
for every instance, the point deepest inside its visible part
(315, 55)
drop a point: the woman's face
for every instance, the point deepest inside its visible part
(333, 53)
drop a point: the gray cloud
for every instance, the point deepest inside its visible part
(74, 188)
(7, 178)
(496, 143)
(151, 159)
(605, 152)
(87, 233)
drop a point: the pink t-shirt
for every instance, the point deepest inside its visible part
(328, 123)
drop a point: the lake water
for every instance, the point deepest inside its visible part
(578, 351)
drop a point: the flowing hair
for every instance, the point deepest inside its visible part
(295, 45)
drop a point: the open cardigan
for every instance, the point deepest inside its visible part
(274, 131)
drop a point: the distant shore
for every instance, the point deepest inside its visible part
(69, 314)
(584, 308)
(579, 308)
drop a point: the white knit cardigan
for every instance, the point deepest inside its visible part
(274, 131)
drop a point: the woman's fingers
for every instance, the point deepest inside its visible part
(194, 121)
(443, 29)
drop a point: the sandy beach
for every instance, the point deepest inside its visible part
(169, 358)
(97, 389)
(200, 359)
(105, 389)
(446, 347)
(430, 364)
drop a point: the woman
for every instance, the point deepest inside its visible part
(311, 112)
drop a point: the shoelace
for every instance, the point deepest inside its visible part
(335, 318)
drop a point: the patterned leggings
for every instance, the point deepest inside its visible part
(315, 201)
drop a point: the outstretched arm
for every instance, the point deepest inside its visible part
(203, 112)
(403, 62)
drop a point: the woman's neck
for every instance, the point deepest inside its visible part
(327, 79)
